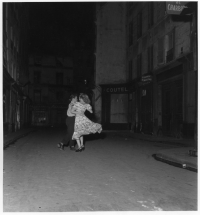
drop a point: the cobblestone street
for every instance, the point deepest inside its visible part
(113, 174)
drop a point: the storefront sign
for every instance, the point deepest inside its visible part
(146, 78)
(122, 89)
(175, 7)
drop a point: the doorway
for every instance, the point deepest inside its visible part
(115, 111)
(146, 109)
(172, 108)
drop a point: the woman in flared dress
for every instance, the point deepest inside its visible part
(83, 125)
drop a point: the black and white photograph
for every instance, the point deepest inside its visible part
(99, 106)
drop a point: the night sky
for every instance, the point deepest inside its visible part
(58, 27)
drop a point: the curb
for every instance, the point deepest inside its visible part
(176, 164)
(14, 139)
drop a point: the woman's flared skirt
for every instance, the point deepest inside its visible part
(84, 126)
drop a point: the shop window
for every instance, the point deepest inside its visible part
(59, 78)
(139, 25)
(130, 33)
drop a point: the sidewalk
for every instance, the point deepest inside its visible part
(178, 155)
(12, 137)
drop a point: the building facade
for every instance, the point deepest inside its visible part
(161, 64)
(111, 106)
(157, 65)
(51, 83)
(16, 102)
(83, 70)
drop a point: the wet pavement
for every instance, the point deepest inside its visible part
(114, 173)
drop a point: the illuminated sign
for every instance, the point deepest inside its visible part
(175, 7)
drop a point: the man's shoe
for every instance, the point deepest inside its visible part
(61, 146)
(72, 148)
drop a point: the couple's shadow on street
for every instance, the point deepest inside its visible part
(94, 137)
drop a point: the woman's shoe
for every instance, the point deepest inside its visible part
(82, 148)
(78, 150)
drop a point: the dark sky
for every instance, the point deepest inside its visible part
(56, 26)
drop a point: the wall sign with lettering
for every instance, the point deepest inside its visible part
(115, 89)
(175, 7)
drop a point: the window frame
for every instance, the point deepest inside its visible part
(37, 77)
(139, 65)
(139, 24)
(59, 78)
(39, 93)
(161, 50)
(130, 29)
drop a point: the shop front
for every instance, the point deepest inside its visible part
(115, 98)
(170, 101)
(39, 116)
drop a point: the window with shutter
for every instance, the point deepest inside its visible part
(37, 77)
(59, 78)
(150, 58)
(139, 25)
(130, 69)
(170, 46)
(130, 33)
(150, 14)
(139, 65)
(161, 50)
(37, 95)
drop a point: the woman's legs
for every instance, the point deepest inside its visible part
(81, 139)
(82, 145)
(78, 143)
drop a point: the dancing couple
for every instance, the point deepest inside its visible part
(77, 123)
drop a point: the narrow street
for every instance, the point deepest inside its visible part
(113, 174)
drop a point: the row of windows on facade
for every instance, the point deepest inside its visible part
(12, 34)
(60, 96)
(161, 53)
(10, 38)
(139, 22)
(59, 78)
(162, 50)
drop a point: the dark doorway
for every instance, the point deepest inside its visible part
(146, 109)
(172, 108)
